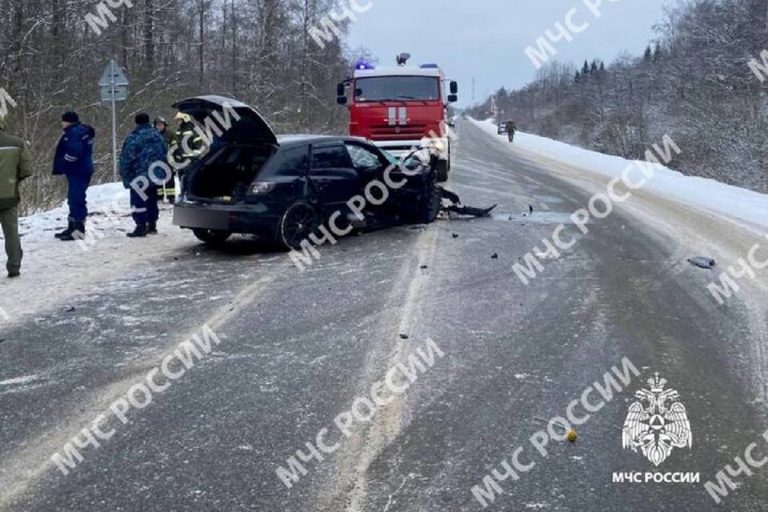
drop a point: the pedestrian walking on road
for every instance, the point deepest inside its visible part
(15, 166)
(168, 191)
(143, 148)
(74, 159)
(511, 129)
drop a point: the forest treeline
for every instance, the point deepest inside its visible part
(694, 83)
(259, 51)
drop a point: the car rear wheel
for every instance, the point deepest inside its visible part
(299, 221)
(211, 236)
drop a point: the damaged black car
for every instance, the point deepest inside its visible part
(280, 190)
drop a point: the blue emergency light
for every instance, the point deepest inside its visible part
(363, 64)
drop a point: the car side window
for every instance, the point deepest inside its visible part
(291, 162)
(363, 158)
(330, 157)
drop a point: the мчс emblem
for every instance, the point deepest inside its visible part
(657, 422)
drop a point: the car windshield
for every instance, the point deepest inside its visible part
(423, 88)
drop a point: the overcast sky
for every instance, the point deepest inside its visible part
(485, 39)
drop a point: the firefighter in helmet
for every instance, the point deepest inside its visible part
(168, 191)
(188, 145)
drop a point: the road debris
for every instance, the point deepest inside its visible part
(456, 207)
(701, 262)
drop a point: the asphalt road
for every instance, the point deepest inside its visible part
(298, 348)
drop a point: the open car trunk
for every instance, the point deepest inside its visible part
(226, 175)
(243, 143)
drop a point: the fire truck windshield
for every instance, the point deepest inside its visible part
(397, 88)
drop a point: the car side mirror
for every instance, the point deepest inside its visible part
(341, 94)
(454, 87)
(453, 98)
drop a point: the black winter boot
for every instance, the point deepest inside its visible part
(77, 233)
(66, 232)
(152, 228)
(140, 232)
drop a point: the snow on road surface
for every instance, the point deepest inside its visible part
(716, 197)
(695, 217)
(53, 271)
(702, 216)
(710, 218)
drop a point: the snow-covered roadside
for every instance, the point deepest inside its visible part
(711, 195)
(697, 216)
(53, 271)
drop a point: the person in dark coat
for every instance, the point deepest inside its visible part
(143, 148)
(74, 159)
(169, 135)
(511, 130)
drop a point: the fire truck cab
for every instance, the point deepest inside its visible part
(401, 108)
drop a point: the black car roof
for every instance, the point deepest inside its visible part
(290, 140)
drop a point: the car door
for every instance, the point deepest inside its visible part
(333, 176)
(367, 161)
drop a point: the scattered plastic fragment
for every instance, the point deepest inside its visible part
(701, 262)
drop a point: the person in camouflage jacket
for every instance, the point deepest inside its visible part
(142, 150)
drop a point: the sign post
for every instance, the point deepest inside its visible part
(113, 87)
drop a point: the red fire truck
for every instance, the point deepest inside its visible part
(401, 108)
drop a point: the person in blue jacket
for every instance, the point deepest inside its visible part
(74, 159)
(143, 148)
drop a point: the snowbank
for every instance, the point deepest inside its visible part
(53, 272)
(107, 199)
(707, 194)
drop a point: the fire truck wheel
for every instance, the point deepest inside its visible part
(443, 166)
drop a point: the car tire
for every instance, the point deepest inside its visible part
(443, 167)
(211, 236)
(298, 222)
(429, 202)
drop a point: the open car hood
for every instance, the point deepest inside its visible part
(251, 127)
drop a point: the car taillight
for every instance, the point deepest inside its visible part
(261, 187)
